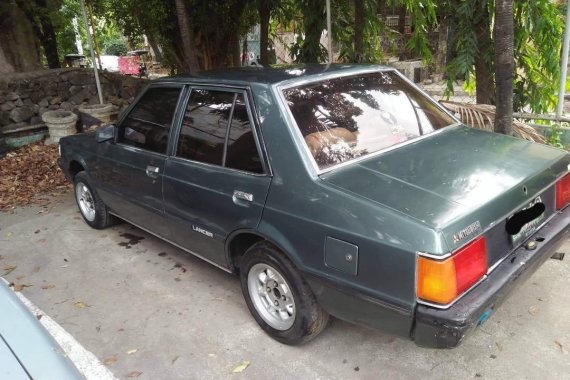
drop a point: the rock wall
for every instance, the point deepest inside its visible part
(24, 97)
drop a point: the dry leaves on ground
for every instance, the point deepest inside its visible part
(30, 175)
(241, 366)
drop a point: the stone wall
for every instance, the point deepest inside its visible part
(24, 97)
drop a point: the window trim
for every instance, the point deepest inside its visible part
(133, 104)
(303, 148)
(236, 90)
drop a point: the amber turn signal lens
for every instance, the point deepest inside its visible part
(442, 281)
(436, 280)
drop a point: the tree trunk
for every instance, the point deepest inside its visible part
(155, 48)
(264, 15)
(504, 65)
(49, 43)
(441, 52)
(234, 48)
(37, 13)
(484, 84)
(314, 20)
(19, 50)
(358, 30)
(190, 63)
(402, 30)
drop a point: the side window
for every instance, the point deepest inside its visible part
(203, 133)
(242, 152)
(148, 124)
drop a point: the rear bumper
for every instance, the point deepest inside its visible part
(439, 328)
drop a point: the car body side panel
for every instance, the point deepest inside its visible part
(10, 367)
(301, 211)
(200, 207)
(125, 187)
(36, 350)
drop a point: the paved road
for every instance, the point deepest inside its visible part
(145, 306)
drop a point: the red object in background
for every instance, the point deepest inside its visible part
(129, 65)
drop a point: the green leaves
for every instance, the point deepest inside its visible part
(538, 37)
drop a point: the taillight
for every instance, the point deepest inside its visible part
(442, 281)
(563, 192)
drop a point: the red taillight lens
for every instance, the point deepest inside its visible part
(470, 264)
(442, 281)
(563, 192)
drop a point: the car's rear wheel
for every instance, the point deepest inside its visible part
(91, 207)
(278, 297)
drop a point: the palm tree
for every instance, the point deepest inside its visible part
(504, 65)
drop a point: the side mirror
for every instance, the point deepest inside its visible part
(105, 133)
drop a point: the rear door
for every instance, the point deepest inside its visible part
(130, 170)
(216, 180)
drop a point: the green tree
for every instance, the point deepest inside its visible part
(537, 41)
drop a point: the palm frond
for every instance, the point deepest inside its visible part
(482, 116)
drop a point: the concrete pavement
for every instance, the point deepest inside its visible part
(150, 311)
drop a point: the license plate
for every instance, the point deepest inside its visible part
(528, 228)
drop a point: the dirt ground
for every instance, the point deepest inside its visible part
(148, 310)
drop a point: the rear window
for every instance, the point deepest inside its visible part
(349, 117)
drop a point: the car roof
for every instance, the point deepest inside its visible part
(273, 75)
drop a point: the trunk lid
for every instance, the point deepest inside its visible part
(459, 181)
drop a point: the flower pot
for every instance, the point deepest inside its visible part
(60, 123)
(97, 114)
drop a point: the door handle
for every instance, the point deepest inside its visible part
(152, 171)
(242, 198)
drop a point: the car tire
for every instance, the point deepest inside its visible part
(91, 207)
(279, 299)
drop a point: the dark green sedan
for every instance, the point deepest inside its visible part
(331, 190)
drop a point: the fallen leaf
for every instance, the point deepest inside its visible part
(8, 269)
(134, 374)
(130, 352)
(499, 346)
(533, 310)
(241, 366)
(45, 287)
(110, 360)
(39, 316)
(560, 345)
(20, 287)
(37, 231)
(81, 305)
(175, 359)
(20, 277)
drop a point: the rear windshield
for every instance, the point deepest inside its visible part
(344, 118)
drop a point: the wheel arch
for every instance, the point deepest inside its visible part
(241, 240)
(75, 166)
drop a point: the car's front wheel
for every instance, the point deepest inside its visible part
(92, 208)
(277, 296)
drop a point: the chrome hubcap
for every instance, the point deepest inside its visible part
(85, 201)
(271, 296)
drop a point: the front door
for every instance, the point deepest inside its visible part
(129, 171)
(215, 182)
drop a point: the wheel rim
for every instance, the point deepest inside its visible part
(85, 201)
(271, 296)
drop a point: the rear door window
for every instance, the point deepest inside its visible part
(148, 124)
(242, 151)
(216, 129)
